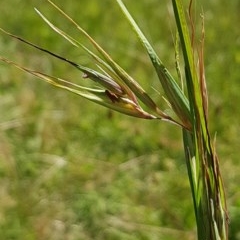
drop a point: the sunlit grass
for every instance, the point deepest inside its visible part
(36, 123)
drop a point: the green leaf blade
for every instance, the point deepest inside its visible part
(173, 92)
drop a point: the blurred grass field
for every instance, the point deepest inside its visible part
(72, 170)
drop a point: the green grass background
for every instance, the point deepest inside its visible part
(73, 170)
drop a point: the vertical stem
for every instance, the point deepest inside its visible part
(191, 168)
(206, 187)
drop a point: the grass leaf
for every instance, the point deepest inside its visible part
(173, 92)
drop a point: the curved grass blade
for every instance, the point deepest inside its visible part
(174, 94)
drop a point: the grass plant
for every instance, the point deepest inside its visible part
(187, 103)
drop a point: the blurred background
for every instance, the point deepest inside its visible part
(72, 170)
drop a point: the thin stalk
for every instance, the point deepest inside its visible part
(201, 160)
